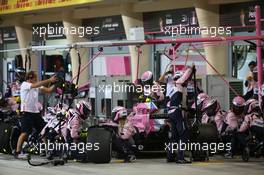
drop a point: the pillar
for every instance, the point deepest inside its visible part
(24, 36)
(217, 55)
(130, 20)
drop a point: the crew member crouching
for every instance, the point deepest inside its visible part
(123, 140)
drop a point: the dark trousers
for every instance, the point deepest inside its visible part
(28, 121)
(178, 134)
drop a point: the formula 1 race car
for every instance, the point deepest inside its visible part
(152, 134)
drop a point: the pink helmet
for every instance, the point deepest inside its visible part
(202, 96)
(251, 105)
(238, 101)
(147, 78)
(200, 99)
(118, 112)
(238, 105)
(210, 106)
(83, 108)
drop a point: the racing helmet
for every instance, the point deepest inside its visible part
(252, 105)
(83, 108)
(247, 104)
(200, 99)
(238, 105)
(210, 107)
(147, 78)
(118, 112)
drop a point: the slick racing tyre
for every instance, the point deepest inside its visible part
(204, 133)
(101, 139)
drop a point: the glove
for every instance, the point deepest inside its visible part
(83, 134)
(148, 100)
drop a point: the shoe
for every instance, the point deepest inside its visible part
(22, 156)
(49, 155)
(15, 154)
(130, 158)
(228, 155)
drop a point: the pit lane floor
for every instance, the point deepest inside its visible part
(216, 166)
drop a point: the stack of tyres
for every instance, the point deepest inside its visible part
(102, 138)
(203, 133)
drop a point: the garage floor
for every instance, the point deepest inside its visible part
(217, 165)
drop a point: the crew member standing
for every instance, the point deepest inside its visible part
(178, 125)
(31, 117)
